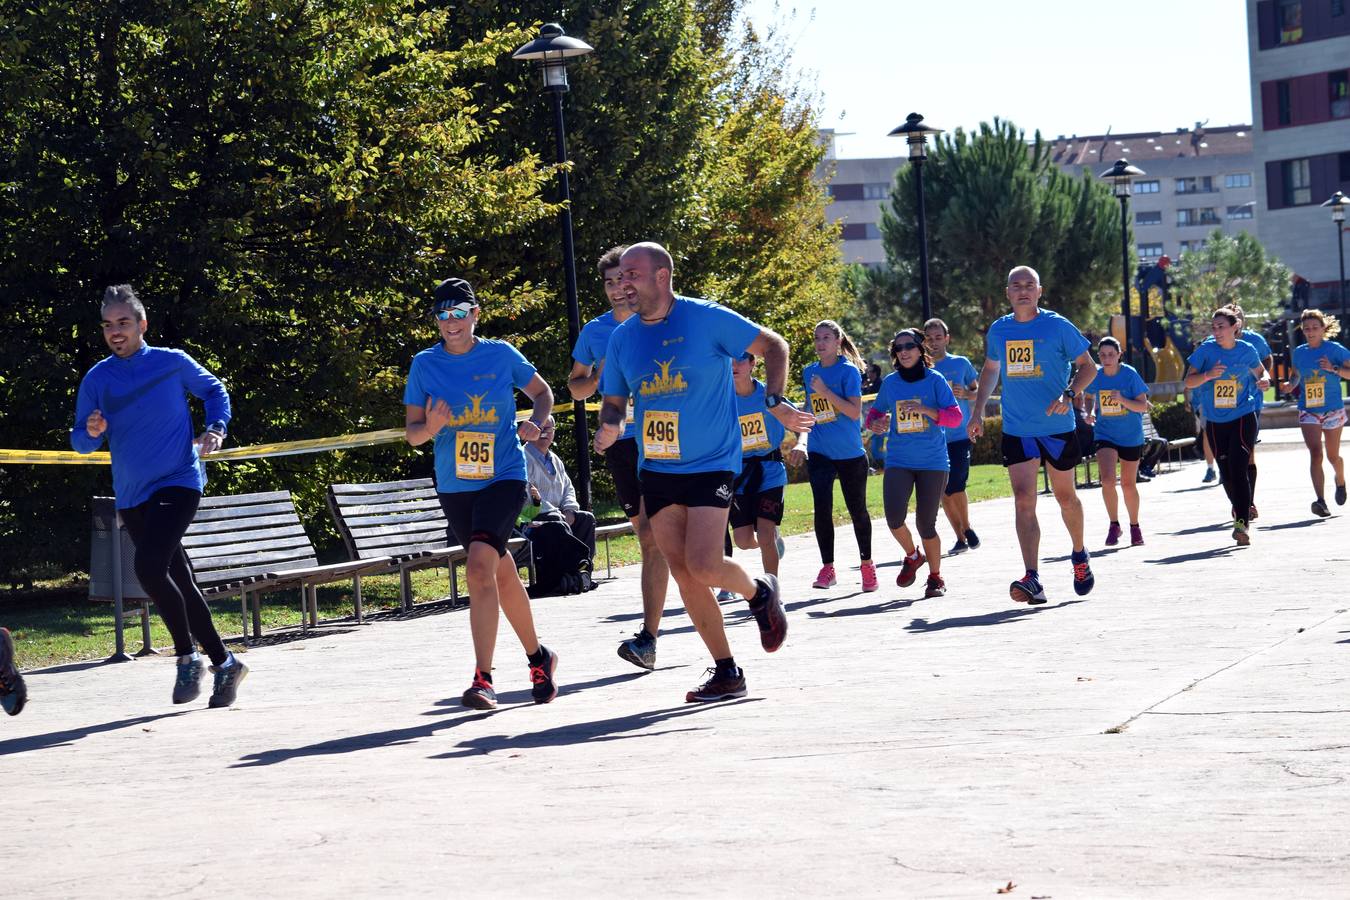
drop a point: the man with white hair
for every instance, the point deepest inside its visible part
(551, 487)
(1044, 364)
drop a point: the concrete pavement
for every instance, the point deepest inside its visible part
(1180, 732)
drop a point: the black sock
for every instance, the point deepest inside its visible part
(539, 657)
(486, 676)
(761, 592)
(646, 635)
(727, 667)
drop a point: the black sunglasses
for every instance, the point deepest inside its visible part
(900, 348)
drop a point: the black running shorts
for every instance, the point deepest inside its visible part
(622, 461)
(767, 504)
(662, 489)
(1059, 450)
(487, 514)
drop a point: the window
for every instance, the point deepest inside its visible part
(1284, 109)
(1238, 180)
(1148, 218)
(1240, 212)
(1200, 184)
(1146, 187)
(1289, 21)
(1338, 84)
(1338, 7)
(1297, 177)
(1187, 246)
(1150, 252)
(1205, 216)
(876, 190)
(1344, 165)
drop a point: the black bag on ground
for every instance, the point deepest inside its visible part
(562, 563)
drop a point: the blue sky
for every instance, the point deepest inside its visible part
(1063, 66)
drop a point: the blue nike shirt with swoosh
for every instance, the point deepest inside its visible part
(144, 400)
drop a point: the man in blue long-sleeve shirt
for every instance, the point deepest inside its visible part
(136, 399)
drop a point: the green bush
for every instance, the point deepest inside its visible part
(988, 448)
(1173, 420)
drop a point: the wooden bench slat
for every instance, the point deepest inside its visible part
(246, 571)
(209, 539)
(430, 539)
(381, 486)
(281, 548)
(243, 512)
(317, 574)
(278, 559)
(223, 500)
(358, 523)
(404, 549)
(395, 499)
(427, 526)
(229, 525)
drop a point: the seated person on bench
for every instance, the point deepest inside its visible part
(552, 489)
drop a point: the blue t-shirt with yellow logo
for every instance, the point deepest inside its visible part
(678, 372)
(1233, 394)
(479, 445)
(1262, 348)
(761, 435)
(1116, 424)
(834, 435)
(592, 344)
(958, 370)
(915, 441)
(1319, 391)
(1035, 360)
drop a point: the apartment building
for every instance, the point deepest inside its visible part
(1195, 180)
(859, 187)
(1300, 82)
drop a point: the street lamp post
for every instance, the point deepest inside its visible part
(916, 133)
(551, 50)
(1337, 203)
(1121, 175)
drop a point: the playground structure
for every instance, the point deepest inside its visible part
(1164, 337)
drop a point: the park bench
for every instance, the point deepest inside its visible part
(252, 544)
(605, 532)
(1177, 445)
(401, 524)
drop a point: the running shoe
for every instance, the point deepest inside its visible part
(1251, 514)
(958, 548)
(825, 577)
(1083, 579)
(1113, 534)
(1210, 477)
(541, 676)
(767, 608)
(225, 687)
(869, 577)
(640, 650)
(188, 685)
(1340, 495)
(480, 694)
(972, 539)
(780, 544)
(725, 596)
(13, 691)
(909, 568)
(718, 687)
(1240, 533)
(1027, 589)
(1319, 508)
(935, 587)
(1136, 536)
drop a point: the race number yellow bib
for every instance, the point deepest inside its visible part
(753, 434)
(661, 434)
(1314, 393)
(821, 409)
(473, 455)
(1110, 403)
(1226, 393)
(1021, 358)
(909, 421)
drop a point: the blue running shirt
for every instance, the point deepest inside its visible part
(678, 372)
(592, 344)
(958, 370)
(1115, 423)
(1035, 360)
(1262, 348)
(1319, 391)
(834, 434)
(1234, 394)
(761, 434)
(915, 441)
(479, 445)
(143, 398)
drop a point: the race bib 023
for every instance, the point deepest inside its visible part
(1021, 358)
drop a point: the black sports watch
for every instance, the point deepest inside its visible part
(772, 400)
(1070, 393)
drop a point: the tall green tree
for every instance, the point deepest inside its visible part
(1228, 268)
(995, 200)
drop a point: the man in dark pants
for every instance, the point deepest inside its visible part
(13, 692)
(136, 399)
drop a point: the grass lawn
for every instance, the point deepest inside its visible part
(56, 622)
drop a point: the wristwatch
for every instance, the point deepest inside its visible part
(772, 400)
(217, 428)
(1070, 393)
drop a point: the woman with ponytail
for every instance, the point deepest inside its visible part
(1319, 366)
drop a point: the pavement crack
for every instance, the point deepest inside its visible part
(1118, 729)
(896, 860)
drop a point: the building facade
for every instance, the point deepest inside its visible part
(1195, 180)
(858, 188)
(1300, 82)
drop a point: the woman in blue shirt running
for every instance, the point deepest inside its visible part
(1117, 404)
(1319, 366)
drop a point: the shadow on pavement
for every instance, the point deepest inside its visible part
(888, 606)
(1203, 487)
(1094, 554)
(1212, 553)
(617, 729)
(70, 736)
(1201, 529)
(920, 626)
(69, 667)
(1301, 524)
(397, 736)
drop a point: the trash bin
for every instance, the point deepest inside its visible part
(112, 573)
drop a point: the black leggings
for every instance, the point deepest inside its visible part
(853, 483)
(156, 528)
(896, 489)
(1232, 443)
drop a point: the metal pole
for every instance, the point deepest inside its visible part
(120, 652)
(579, 427)
(1340, 247)
(923, 240)
(1125, 277)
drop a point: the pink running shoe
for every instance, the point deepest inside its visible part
(869, 577)
(1136, 536)
(826, 577)
(1113, 534)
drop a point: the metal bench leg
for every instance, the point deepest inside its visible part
(243, 616)
(312, 597)
(405, 596)
(257, 614)
(454, 584)
(356, 600)
(609, 570)
(147, 648)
